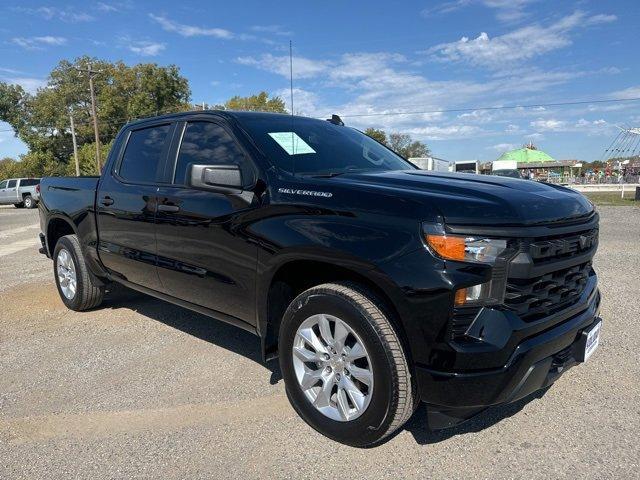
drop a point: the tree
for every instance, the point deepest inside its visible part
(255, 103)
(377, 134)
(404, 146)
(87, 159)
(11, 103)
(123, 93)
(7, 168)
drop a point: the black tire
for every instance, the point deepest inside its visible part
(18, 205)
(88, 293)
(393, 398)
(28, 201)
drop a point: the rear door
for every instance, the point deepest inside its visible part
(204, 253)
(126, 205)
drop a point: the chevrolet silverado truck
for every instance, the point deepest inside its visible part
(376, 284)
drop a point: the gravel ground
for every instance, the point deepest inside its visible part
(143, 389)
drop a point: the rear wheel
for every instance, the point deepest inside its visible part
(77, 288)
(344, 366)
(28, 201)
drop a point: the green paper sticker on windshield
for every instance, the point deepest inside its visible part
(291, 143)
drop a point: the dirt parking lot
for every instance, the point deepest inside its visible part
(142, 389)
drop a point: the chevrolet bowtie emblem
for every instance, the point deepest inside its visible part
(583, 241)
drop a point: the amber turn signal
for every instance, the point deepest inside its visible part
(460, 297)
(451, 248)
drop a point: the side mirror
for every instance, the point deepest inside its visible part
(226, 178)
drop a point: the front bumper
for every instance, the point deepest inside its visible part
(536, 362)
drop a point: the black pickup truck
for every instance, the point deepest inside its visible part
(377, 285)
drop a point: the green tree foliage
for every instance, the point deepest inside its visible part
(405, 146)
(255, 103)
(123, 93)
(11, 103)
(35, 164)
(87, 159)
(7, 168)
(401, 143)
(377, 134)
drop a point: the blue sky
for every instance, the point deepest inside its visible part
(355, 58)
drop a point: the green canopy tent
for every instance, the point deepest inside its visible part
(526, 155)
(531, 159)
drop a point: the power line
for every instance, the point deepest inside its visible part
(504, 107)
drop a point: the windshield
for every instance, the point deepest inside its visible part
(317, 147)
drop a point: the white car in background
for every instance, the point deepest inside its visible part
(21, 192)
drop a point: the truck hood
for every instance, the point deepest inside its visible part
(468, 199)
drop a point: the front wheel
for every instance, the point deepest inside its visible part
(77, 288)
(345, 370)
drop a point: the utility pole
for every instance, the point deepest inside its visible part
(75, 145)
(91, 73)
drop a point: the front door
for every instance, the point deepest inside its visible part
(126, 207)
(11, 192)
(204, 253)
(3, 192)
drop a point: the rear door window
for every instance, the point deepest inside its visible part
(29, 182)
(11, 184)
(144, 154)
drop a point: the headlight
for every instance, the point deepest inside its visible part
(471, 249)
(465, 249)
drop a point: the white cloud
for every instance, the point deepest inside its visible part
(551, 124)
(516, 46)
(36, 43)
(66, 14)
(590, 127)
(506, 10)
(107, 7)
(146, 49)
(631, 92)
(302, 67)
(435, 132)
(376, 86)
(304, 102)
(272, 29)
(190, 30)
(29, 84)
(504, 147)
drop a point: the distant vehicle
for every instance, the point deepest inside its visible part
(22, 192)
(507, 172)
(431, 163)
(466, 166)
(378, 285)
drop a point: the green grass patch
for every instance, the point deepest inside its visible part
(613, 198)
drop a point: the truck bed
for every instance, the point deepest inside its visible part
(72, 199)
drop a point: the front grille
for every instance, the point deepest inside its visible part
(557, 248)
(544, 271)
(538, 297)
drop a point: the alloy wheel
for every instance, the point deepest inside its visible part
(333, 367)
(66, 274)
